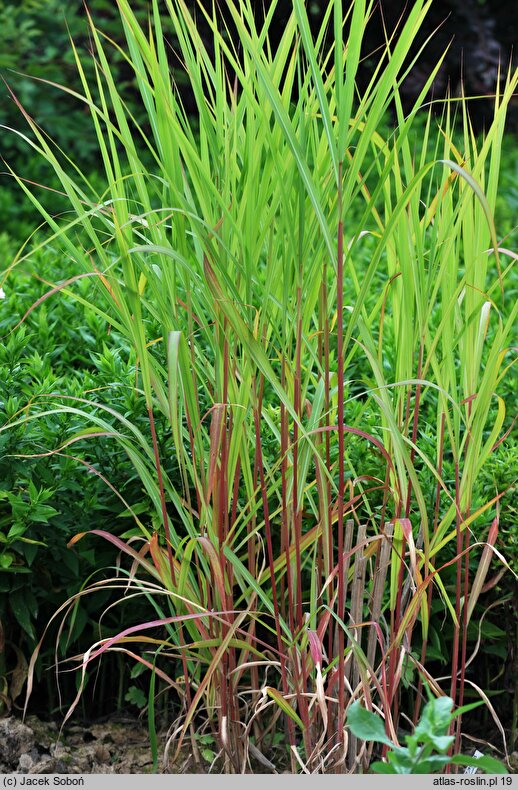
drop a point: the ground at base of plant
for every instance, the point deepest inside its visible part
(115, 745)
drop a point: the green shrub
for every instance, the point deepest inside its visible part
(45, 497)
(426, 750)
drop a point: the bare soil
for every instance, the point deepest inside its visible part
(120, 745)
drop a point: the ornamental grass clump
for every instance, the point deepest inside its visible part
(319, 314)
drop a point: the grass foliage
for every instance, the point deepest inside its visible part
(319, 319)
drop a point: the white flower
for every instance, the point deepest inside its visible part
(2, 293)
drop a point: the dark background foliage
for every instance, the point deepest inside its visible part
(34, 40)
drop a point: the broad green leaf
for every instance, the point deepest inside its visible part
(485, 763)
(366, 725)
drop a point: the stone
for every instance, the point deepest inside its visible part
(15, 739)
(25, 763)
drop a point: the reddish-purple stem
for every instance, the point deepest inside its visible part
(341, 450)
(327, 422)
(458, 589)
(269, 544)
(286, 594)
(464, 608)
(414, 427)
(165, 517)
(285, 534)
(222, 515)
(417, 707)
(297, 507)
